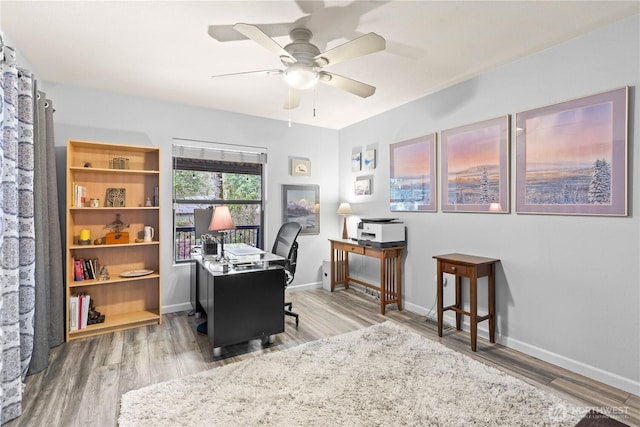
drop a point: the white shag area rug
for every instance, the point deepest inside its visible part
(382, 375)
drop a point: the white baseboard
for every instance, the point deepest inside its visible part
(576, 366)
(304, 287)
(589, 371)
(174, 308)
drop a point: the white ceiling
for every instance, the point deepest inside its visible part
(162, 49)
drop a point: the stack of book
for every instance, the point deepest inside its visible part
(79, 196)
(79, 311)
(86, 269)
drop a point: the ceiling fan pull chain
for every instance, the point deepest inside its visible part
(314, 101)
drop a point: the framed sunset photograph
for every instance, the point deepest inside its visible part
(572, 157)
(475, 167)
(413, 175)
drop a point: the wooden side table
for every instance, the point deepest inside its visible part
(390, 286)
(471, 267)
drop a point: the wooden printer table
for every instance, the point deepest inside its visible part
(390, 286)
(472, 267)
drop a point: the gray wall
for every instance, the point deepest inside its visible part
(84, 114)
(567, 286)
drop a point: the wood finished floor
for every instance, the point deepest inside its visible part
(85, 378)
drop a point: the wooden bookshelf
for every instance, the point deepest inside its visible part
(126, 302)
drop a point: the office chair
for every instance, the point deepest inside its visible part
(286, 246)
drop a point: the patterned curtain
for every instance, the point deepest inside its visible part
(17, 236)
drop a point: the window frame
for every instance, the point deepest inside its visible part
(214, 166)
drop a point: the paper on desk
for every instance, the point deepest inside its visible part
(243, 250)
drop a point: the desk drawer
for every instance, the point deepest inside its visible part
(356, 249)
(460, 270)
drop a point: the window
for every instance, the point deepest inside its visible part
(205, 178)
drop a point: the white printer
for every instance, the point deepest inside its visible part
(381, 232)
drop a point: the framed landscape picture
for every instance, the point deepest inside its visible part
(413, 175)
(362, 186)
(301, 204)
(572, 157)
(475, 167)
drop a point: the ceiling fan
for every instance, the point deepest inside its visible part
(303, 62)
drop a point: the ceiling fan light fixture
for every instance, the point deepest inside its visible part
(301, 77)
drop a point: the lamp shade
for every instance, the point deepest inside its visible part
(221, 219)
(344, 209)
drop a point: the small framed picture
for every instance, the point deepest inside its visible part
(363, 186)
(369, 160)
(115, 197)
(356, 162)
(300, 167)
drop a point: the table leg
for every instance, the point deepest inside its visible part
(399, 279)
(492, 304)
(458, 302)
(383, 284)
(333, 268)
(345, 261)
(473, 292)
(440, 298)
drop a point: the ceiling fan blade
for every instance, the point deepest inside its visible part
(293, 99)
(267, 72)
(258, 36)
(363, 45)
(353, 86)
(227, 33)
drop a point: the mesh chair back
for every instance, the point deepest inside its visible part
(287, 247)
(287, 235)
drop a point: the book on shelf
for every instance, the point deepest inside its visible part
(88, 273)
(79, 196)
(78, 270)
(73, 312)
(86, 269)
(79, 304)
(85, 310)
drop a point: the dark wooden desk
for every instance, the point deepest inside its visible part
(242, 304)
(471, 267)
(390, 286)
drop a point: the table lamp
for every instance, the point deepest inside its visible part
(344, 209)
(221, 221)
